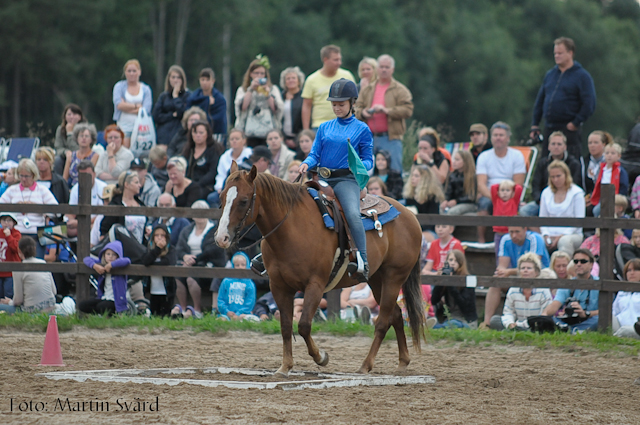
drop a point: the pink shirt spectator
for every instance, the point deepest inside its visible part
(378, 122)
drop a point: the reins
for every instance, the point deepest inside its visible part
(250, 210)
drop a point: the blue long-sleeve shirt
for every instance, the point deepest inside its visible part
(330, 146)
(237, 295)
(216, 112)
(565, 97)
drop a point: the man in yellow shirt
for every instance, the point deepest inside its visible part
(315, 108)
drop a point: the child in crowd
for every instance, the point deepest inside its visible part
(506, 200)
(266, 308)
(9, 238)
(462, 186)
(390, 177)
(375, 186)
(237, 296)
(111, 294)
(8, 179)
(161, 253)
(440, 248)
(621, 205)
(357, 303)
(305, 141)
(460, 302)
(292, 171)
(423, 194)
(611, 172)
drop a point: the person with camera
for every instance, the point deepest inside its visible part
(580, 305)
(460, 302)
(384, 106)
(258, 103)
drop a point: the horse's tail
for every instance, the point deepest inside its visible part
(412, 291)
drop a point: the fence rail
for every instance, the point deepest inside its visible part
(606, 223)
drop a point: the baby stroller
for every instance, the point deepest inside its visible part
(133, 250)
(624, 253)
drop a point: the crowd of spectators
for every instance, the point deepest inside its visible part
(274, 129)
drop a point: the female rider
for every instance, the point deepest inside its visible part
(330, 151)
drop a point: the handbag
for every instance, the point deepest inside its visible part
(258, 120)
(143, 137)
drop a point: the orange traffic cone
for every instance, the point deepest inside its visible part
(51, 353)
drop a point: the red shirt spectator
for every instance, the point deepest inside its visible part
(503, 206)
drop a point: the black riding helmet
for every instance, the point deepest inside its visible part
(342, 90)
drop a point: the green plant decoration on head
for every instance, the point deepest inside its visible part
(263, 60)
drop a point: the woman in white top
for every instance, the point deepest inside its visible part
(116, 158)
(129, 95)
(562, 198)
(32, 291)
(626, 307)
(238, 152)
(29, 192)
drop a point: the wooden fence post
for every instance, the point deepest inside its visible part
(84, 235)
(333, 304)
(607, 253)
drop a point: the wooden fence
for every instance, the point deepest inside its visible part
(83, 211)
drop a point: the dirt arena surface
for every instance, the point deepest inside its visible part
(474, 385)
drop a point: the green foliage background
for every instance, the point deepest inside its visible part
(464, 60)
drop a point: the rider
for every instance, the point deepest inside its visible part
(330, 151)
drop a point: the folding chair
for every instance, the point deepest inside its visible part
(24, 147)
(530, 154)
(453, 147)
(3, 149)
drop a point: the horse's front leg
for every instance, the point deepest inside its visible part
(284, 300)
(312, 298)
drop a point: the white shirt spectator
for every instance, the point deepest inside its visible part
(224, 165)
(96, 193)
(498, 169)
(39, 195)
(572, 206)
(518, 309)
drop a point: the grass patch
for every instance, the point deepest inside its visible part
(593, 341)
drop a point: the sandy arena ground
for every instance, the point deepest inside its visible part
(475, 385)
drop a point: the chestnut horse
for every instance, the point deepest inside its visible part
(299, 256)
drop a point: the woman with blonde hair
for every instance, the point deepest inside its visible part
(291, 82)
(562, 198)
(170, 106)
(367, 72)
(126, 194)
(129, 95)
(184, 190)
(258, 103)
(423, 194)
(45, 158)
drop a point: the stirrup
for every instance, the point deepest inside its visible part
(257, 265)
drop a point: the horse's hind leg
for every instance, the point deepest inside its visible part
(285, 305)
(312, 297)
(403, 351)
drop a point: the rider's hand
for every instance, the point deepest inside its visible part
(303, 168)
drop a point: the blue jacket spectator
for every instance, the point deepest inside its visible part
(216, 112)
(237, 297)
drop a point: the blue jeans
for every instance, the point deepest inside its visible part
(452, 323)
(530, 210)
(591, 324)
(596, 210)
(394, 147)
(214, 199)
(8, 308)
(348, 193)
(6, 287)
(484, 204)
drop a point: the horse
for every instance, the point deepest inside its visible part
(298, 253)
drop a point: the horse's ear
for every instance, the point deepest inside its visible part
(234, 167)
(252, 174)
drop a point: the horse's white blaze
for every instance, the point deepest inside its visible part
(223, 228)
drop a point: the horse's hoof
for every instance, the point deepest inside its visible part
(363, 371)
(281, 375)
(324, 358)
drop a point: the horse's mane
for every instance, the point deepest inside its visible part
(278, 192)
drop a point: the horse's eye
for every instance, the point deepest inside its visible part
(243, 203)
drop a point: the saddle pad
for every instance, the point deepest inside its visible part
(368, 222)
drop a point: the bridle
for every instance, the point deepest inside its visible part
(237, 238)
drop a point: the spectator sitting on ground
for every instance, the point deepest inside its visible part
(149, 191)
(557, 151)
(440, 248)
(266, 308)
(190, 117)
(170, 106)
(375, 186)
(559, 266)
(460, 302)
(462, 186)
(158, 160)
(160, 253)
(196, 248)
(9, 251)
(97, 188)
(48, 178)
(586, 306)
(610, 172)
(116, 158)
(522, 303)
(237, 296)
(184, 190)
(281, 154)
(430, 154)
(626, 306)
(512, 246)
(391, 178)
(495, 165)
(238, 152)
(562, 198)
(210, 101)
(359, 298)
(480, 142)
(32, 291)
(86, 137)
(298, 302)
(174, 224)
(505, 198)
(305, 142)
(423, 194)
(202, 154)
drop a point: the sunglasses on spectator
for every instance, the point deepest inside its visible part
(25, 176)
(583, 261)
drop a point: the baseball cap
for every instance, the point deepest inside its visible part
(262, 152)
(137, 164)
(478, 128)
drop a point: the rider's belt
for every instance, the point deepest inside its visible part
(383, 134)
(326, 173)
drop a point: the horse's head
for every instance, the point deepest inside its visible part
(237, 204)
